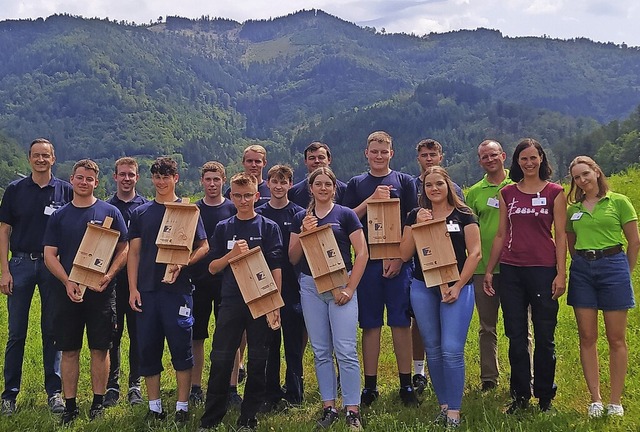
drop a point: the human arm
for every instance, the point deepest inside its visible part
(630, 230)
(201, 247)
(381, 192)
(133, 264)
(6, 281)
(559, 284)
(219, 264)
(295, 251)
(117, 263)
(496, 248)
(571, 243)
(474, 254)
(55, 267)
(361, 253)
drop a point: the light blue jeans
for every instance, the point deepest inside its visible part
(332, 329)
(444, 329)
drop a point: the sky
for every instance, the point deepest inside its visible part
(599, 20)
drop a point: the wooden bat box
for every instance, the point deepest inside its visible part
(435, 252)
(94, 254)
(384, 228)
(325, 261)
(177, 231)
(258, 288)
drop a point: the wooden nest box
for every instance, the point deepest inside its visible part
(324, 258)
(384, 228)
(435, 252)
(176, 233)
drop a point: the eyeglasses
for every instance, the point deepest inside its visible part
(240, 197)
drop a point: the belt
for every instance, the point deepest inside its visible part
(33, 256)
(595, 254)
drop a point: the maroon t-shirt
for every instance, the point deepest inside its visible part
(528, 241)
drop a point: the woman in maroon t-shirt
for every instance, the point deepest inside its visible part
(532, 269)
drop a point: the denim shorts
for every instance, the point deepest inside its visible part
(603, 284)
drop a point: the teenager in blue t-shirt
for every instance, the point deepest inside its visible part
(254, 159)
(385, 283)
(280, 210)
(75, 309)
(164, 305)
(235, 235)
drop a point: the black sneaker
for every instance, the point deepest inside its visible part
(153, 416)
(111, 398)
(353, 421)
(247, 424)
(545, 405)
(234, 401)
(419, 383)
(517, 405)
(368, 396)
(488, 385)
(196, 396)
(134, 396)
(96, 411)
(329, 417)
(69, 416)
(408, 396)
(181, 417)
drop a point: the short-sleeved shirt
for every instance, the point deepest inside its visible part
(67, 225)
(127, 207)
(483, 199)
(528, 241)
(257, 231)
(26, 207)
(144, 224)
(602, 227)
(265, 193)
(456, 218)
(210, 216)
(362, 186)
(343, 221)
(299, 193)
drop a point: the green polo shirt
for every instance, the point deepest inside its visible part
(477, 198)
(601, 228)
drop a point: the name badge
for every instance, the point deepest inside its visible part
(493, 202)
(453, 227)
(539, 201)
(48, 210)
(184, 311)
(231, 244)
(576, 216)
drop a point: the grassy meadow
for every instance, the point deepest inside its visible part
(481, 411)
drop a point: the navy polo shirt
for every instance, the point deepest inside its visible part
(299, 193)
(67, 226)
(265, 193)
(210, 216)
(23, 208)
(127, 207)
(144, 224)
(258, 231)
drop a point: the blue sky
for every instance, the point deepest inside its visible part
(599, 20)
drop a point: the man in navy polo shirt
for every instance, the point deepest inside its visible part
(282, 211)
(24, 211)
(165, 305)
(232, 236)
(254, 160)
(75, 309)
(385, 283)
(214, 207)
(126, 199)
(316, 155)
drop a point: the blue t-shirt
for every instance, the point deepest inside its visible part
(299, 193)
(144, 224)
(258, 231)
(210, 216)
(26, 207)
(362, 187)
(265, 193)
(343, 221)
(127, 207)
(67, 226)
(457, 238)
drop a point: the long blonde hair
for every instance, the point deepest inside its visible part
(576, 194)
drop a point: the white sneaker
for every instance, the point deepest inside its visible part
(595, 410)
(615, 410)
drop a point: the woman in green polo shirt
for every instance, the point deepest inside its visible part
(600, 276)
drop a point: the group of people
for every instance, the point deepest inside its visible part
(509, 235)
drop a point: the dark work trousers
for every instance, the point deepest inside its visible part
(519, 288)
(233, 320)
(123, 310)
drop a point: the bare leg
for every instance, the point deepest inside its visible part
(587, 320)
(184, 384)
(416, 341)
(198, 362)
(99, 371)
(153, 386)
(370, 350)
(401, 347)
(70, 371)
(616, 326)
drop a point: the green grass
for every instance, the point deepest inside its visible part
(481, 412)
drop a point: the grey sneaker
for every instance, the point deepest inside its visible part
(353, 421)
(96, 411)
(134, 396)
(56, 403)
(111, 398)
(8, 407)
(329, 417)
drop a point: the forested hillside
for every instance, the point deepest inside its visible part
(203, 89)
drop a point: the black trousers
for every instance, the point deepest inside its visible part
(521, 287)
(233, 320)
